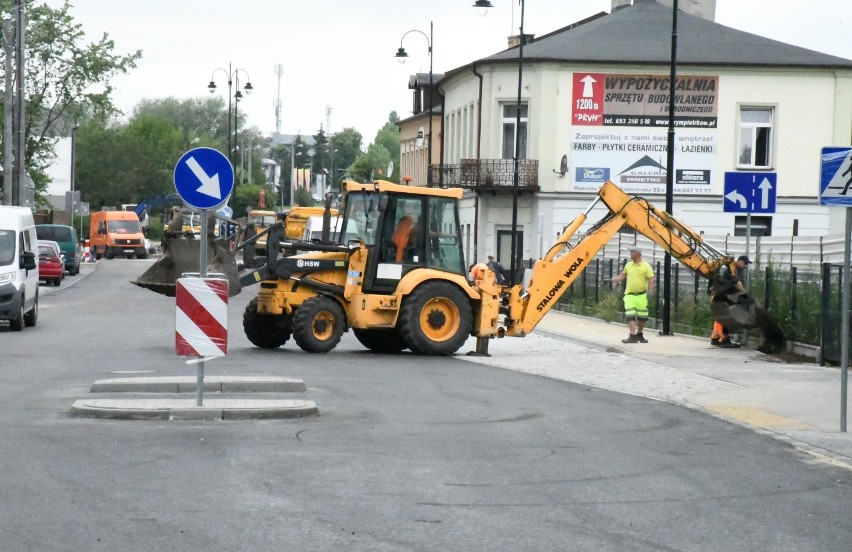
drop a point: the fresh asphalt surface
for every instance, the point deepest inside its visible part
(408, 453)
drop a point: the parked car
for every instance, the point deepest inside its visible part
(51, 262)
(66, 237)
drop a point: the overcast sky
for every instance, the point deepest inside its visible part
(340, 52)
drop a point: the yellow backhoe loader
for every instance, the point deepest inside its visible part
(398, 279)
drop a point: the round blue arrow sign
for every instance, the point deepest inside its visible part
(204, 178)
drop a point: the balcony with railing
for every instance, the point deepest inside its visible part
(487, 175)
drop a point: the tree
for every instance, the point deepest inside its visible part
(388, 136)
(67, 80)
(304, 197)
(205, 118)
(383, 151)
(371, 165)
(127, 163)
(347, 142)
(248, 197)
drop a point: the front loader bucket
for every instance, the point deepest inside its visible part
(183, 255)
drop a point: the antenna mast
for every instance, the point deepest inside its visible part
(279, 70)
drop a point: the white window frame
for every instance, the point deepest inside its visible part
(752, 128)
(504, 120)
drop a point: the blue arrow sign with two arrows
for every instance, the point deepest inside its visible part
(750, 192)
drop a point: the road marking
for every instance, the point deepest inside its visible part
(757, 417)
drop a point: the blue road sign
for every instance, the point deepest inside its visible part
(204, 178)
(747, 192)
(835, 176)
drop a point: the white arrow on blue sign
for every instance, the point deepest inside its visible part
(835, 181)
(204, 178)
(750, 192)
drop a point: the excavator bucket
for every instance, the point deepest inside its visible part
(746, 312)
(183, 255)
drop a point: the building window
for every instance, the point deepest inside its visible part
(760, 226)
(509, 120)
(755, 138)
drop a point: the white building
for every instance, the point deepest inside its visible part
(595, 107)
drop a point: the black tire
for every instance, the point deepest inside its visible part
(97, 254)
(17, 324)
(380, 341)
(435, 319)
(108, 254)
(142, 255)
(263, 330)
(57, 282)
(318, 325)
(31, 318)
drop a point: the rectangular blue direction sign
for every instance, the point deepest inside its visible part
(750, 192)
(835, 179)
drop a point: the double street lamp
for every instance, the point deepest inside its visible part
(482, 6)
(401, 56)
(233, 76)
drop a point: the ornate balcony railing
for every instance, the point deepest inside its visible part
(487, 174)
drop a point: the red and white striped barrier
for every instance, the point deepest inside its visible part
(201, 323)
(87, 252)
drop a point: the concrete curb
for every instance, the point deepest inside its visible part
(187, 384)
(185, 409)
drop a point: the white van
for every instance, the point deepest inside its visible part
(18, 267)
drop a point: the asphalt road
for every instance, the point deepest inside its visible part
(408, 453)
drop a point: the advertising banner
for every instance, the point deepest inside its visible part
(635, 159)
(603, 99)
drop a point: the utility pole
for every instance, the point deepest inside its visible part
(8, 100)
(20, 67)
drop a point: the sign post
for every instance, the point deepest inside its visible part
(834, 183)
(204, 179)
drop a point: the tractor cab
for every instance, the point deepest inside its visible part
(404, 228)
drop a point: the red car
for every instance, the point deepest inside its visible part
(51, 263)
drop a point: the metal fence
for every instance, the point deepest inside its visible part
(802, 252)
(798, 280)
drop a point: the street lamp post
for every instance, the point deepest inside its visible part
(233, 75)
(401, 56)
(483, 5)
(667, 262)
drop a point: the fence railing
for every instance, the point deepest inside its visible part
(488, 174)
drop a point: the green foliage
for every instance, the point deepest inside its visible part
(127, 164)
(68, 80)
(203, 118)
(388, 136)
(304, 197)
(372, 165)
(383, 151)
(247, 197)
(347, 142)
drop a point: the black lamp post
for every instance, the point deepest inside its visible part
(233, 75)
(483, 5)
(667, 287)
(401, 56)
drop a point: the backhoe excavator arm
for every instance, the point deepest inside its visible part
(552, 275)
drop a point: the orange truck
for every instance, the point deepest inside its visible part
(113, 233)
